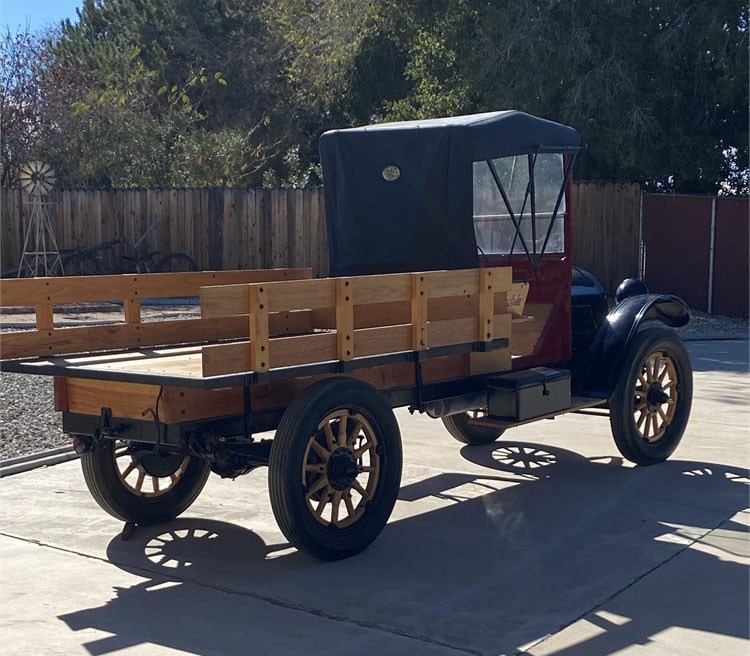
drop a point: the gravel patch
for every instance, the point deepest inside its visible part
(29, 423)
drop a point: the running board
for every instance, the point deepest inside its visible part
(577, 404)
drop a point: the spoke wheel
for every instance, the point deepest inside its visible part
(465, 428)
(650, 406)
(655, 399)
(135, 483)
(341, 469)
(148, 475)
(335, 468)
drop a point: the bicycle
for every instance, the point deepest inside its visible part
(104, 259)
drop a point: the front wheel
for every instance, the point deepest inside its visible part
(136, 483)
(650, 406)
(335, 468)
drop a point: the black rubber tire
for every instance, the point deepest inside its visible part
(108, 491)
(177, 262)
(466, 431)
(299, 422)
(629, 442)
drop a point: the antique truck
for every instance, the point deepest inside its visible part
(451, 292)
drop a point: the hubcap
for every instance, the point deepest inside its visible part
(341, 468)
(655, 397)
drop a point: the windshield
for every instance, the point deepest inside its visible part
(493, 226)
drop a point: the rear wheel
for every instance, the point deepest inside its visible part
(335, 468)
(465, 427)
(650, 406)
(136, 483)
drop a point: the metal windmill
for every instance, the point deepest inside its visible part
(41, 256)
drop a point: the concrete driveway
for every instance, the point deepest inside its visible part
(545, 542)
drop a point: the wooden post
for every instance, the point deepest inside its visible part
(132, 307)
(486, 306)
(418, 312)
(44, 318)
(259, 343)
(344, 319)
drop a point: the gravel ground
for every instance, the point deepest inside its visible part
(29, 423)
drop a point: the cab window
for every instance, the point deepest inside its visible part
(494, 229)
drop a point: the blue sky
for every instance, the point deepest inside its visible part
(39, 13)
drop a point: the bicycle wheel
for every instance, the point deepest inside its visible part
(177, 262)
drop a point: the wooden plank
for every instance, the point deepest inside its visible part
(289, 351)
(301, 294)
(384, 339)
(525, 334)
(296, 227)
(221, 359)
(123, 399)
(127, 335)
(61, 394)
(383, 288)
(453, 283)
(74, 289)
(490, 362)
(452, 331)
(231, 230)
(253, 257)
(279, 229)
(344, 319)
(259, 328)
(419, 295)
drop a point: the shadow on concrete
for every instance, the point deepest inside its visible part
(486, 562)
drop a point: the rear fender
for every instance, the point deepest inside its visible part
(595, 371)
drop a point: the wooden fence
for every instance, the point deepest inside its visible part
(261, 228)
(219, 228)
(606, 230)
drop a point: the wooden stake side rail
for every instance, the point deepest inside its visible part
(46, 293)
(412, 312)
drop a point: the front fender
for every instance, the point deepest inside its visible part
(595, 370)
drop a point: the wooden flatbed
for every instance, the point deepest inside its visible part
(273, 330)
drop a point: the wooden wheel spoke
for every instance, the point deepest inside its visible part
(325, 455)
(317, 487)
(643, 381)
(315, 469)
(348, 502)
(663, 415)
(155, 483)
(641, 418)
(335, 504)
(358, 486)
(353, 434)
(362, 450)
(128, 469)
(141, 479)
(341, 437)
(366, 469)
(321, 506)
(173, 477)
(330, 440)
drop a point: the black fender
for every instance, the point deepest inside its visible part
(595, 370)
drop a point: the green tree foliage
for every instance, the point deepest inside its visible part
(236, 92)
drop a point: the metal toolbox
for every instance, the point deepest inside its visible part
(527, 394)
